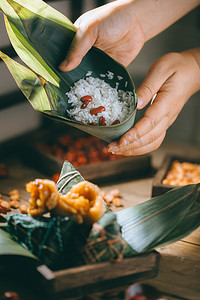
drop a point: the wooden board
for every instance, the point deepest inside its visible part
(98, 277)
(179, 271)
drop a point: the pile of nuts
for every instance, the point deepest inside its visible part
(182, 174)
(6, 206)
(112, 197)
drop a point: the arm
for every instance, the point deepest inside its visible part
(121, 27)
(156, 15)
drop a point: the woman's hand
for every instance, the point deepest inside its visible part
(120, 28)
(113, 28)
(174, 78)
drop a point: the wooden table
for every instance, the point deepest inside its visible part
(179, 274)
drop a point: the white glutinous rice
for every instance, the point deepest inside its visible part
(117, 103)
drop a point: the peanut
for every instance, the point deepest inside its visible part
(108, 198)
(24, 209)
(117, 202)
(14, 197)
(115, 193)
(4, 207)
(13, 192)
(14, 204)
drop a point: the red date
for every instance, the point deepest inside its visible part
(97, 110)
(115, 122)
(86, 98)
(102, 121)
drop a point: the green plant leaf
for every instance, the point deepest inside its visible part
(188, 224)
(159, 220)
(24, 49)
(10, 247)
(29, 83)
(67, 184)
(42, 44)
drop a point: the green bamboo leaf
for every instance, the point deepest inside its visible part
(146, 225)
(51, 38)
(68, 171)
(10, 247)
(189, 223)
(24, 49)
(29, 83)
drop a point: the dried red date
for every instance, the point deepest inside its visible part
(97, 110)
(86, 98)
(102, 121)
(115, 122)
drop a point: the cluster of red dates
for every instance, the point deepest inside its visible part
(79, 151)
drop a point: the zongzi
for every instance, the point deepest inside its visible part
(84, 200)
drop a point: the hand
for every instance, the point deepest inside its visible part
(174, 78)
(113, 28)
(121, 27)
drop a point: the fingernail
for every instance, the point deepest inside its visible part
(63, 65)
(113, 148)
(141, 103)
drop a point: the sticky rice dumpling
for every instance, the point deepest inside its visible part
(84, 200)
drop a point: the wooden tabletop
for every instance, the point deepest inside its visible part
(179, 273)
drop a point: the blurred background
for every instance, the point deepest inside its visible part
(18, 118)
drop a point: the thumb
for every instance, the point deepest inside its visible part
(80, 45)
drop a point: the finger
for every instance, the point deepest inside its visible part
(157, 75)
(148, 138)
(144, 149)
(81, 44)
(153, 116)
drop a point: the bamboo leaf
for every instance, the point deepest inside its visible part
(189, 223)
(42, 44)
(29, 83)
(68, 168)
(24, 49)
(148, 224)
(9, 247)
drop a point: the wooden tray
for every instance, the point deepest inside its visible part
(48, 164)
(158, 187)
(99, 277)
